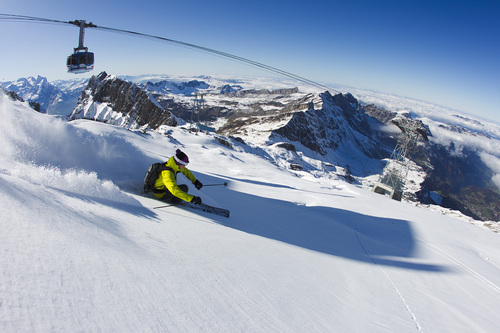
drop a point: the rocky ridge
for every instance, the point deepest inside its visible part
(115, 101)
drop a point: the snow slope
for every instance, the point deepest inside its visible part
(83, 251)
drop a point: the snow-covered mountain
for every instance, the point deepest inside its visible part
(83, 250)
(115, 101)
(58, 97)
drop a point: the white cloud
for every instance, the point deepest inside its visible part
(493, 163)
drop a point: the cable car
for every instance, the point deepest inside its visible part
(80, 62)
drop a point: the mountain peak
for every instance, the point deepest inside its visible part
(110, 99)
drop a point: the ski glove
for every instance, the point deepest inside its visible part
(198, 184)
(196, 201)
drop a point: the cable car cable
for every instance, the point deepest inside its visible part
(176, 42)
(223, 54)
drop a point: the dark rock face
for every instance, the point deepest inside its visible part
(338, 122)
(305, 128)
(462, 180)
(287, 146)
(13, 96)
(34, 105)
(348, 111)
(125, 98)
(378, 113)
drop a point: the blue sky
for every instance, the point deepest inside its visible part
(445, 52)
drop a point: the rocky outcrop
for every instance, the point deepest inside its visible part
(227, 89)
(381, 114)
(338, 123)
(322, 126)
(118, 102)
(34, 105)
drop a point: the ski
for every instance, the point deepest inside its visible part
(206, 208)
(202, 207)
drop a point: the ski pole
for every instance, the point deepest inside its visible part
(225, 184)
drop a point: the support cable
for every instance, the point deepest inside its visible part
(23, 18)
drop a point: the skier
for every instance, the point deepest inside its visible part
(166, 182)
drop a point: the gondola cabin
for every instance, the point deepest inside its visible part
(80, 62)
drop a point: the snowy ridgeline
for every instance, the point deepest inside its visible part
(84, 251)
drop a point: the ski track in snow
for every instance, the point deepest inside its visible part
(487, 259)
(413, 316)
(484, 281)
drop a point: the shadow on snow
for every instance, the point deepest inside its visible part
(334, 231)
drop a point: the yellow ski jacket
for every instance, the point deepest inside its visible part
(168, 181)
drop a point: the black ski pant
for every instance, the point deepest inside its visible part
(169, 197)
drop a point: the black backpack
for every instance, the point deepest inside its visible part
(152, 175)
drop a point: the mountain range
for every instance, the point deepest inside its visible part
(318, 133)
